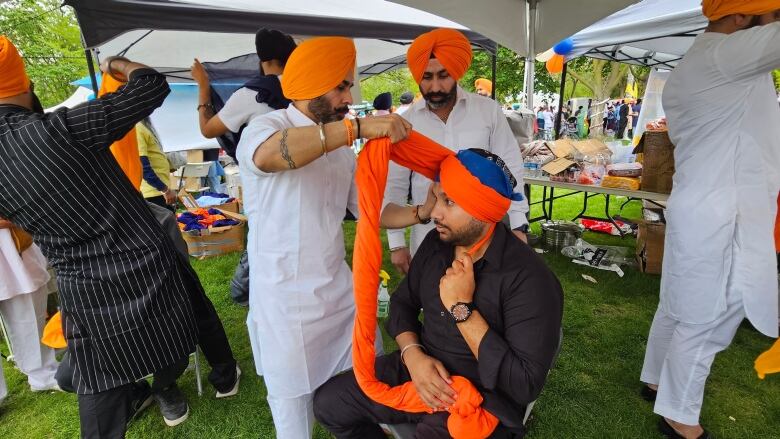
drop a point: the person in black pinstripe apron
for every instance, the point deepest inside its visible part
(129, 302)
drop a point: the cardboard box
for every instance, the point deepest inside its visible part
(650, 246)
(191, 203)
(657, 161)
(557, 166)
(217, 241)
(566, 148)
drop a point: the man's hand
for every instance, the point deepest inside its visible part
(5, 224)
(458, 284)
(424, 211)
(392, 125)
(115, 67)
(199, 73)
(170, 196)
(401, 258)
(430, 378)
(521, 236)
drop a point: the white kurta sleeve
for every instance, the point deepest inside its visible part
(258, 131)
(503, 144)
(750, 52)
(396, 191)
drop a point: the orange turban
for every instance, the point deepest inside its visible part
(484, 84)
(13, 78)
(716, 9)
(449, 46)
(125, 150)
(317, 66)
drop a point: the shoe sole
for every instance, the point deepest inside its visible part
(179, 420)
(234, 390)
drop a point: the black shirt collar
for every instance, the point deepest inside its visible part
(493, 254)
(11, 108)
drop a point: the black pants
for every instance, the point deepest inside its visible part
(621, 128)
(211, 334)
(160, 201)
(342, 408)
(106, 414)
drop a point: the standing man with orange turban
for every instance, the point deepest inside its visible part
(297, 170)
(483, 87)
(719, 260)
(454, 118)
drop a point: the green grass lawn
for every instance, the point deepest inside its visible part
(592, 393)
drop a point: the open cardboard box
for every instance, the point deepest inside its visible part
(189, 202)
(216, 241)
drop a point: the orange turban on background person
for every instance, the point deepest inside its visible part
(716, 9)
(13, 77)
(317, 66)
(125, 150)
(449, 46)
(484, 84)
(482, 189)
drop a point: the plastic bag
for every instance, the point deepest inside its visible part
(603, 255)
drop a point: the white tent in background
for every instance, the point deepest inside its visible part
(654, 33)
(523, 25)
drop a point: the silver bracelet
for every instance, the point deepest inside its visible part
(322, 140)
(409, 346)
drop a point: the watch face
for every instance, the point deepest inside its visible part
(460, 312)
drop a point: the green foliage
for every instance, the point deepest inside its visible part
(510, 74)
(396, 82)
(49, 41)
(776, 75)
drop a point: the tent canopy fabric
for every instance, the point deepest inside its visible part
(506, 21)
(654, 33)
(104, 20)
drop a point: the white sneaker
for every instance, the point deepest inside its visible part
(54, 388)
(233, 390)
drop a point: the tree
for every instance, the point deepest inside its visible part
(776, 75)
(641, 75)
(395, 81)
(599, 76)
(49, 41)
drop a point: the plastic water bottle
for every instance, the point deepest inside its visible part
(383, 298)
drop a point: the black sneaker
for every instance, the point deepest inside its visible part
(648, 393)
(142, 398)
(233, 390)
(173, 405)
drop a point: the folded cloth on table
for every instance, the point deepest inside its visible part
(208, 201)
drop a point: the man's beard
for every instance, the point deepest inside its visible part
(466, 236)
(322, 110)
(36, 104)
(442, 99)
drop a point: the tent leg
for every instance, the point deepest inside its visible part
(91, 67)
(493, 65)
(530, 56)
(560, 102)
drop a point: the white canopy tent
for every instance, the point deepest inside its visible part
(654, 33)
(523, 25)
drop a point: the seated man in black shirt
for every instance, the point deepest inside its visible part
(492, 313)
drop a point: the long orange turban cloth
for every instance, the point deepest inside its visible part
(317, 66)
(716, 9)
(467, 419)
(13, 77)
(125, 150)
(449, 46)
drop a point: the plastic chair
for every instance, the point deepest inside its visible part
(406, 431)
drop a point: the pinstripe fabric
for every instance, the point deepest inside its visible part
(126, 312)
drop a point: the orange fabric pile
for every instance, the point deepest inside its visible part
(125, 150)
(467, 420)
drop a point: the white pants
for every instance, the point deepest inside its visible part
(679, 356)
(293, 417)
(24, 317)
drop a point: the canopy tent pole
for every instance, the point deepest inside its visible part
(493, 65)
(91, 67)
(560, 102)
(530, 55)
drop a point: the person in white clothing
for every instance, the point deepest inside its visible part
(273, 49)
(23, 297)
(454, 118)
(549, 123)
(719, 262)
(298, 172)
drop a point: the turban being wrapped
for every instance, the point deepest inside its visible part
(13, 77)
(317, 66)
(478, 182)
(449, 46)
(716, 9)
(484, 84)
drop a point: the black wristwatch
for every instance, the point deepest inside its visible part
(417, 214)
(524, 228)
(461, 311)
